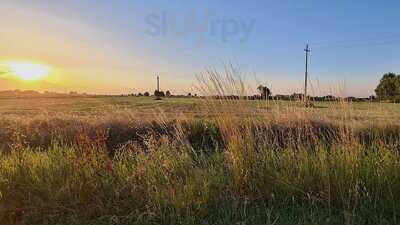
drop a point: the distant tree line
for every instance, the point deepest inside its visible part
(388, 89)
(36, 94)
(160, 94)
(264, 94)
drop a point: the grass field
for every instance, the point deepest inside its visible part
(189, 107)
(134, 160)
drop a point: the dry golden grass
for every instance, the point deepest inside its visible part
(128, 160)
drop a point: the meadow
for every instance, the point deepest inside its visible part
(135, 160)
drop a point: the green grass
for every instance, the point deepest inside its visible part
(129, 160)
(173, 185)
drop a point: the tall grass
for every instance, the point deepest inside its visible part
(238, 166)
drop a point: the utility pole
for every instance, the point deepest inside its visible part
(157, 92)
(158, 84)
(307, 50)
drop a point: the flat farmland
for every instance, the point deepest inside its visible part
(136, 160)
(192, 107)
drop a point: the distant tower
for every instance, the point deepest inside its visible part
(158, 84)
(307, 50)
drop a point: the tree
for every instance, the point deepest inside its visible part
(147, 94)
(265, 92)
(168, 93)
(389, 87)
(159, 93)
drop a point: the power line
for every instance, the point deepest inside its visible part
(352, 40)
(358, 43)
(383, 43)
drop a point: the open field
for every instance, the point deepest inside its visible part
(134, 160)
(221, 112)
(190, 107)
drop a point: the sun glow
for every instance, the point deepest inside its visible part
(28, 71)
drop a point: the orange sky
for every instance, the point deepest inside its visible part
(102, 47)
(83, 59)
(86, 58)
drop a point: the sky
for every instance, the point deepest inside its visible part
(120, 46)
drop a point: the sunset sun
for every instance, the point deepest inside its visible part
(28, 71)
